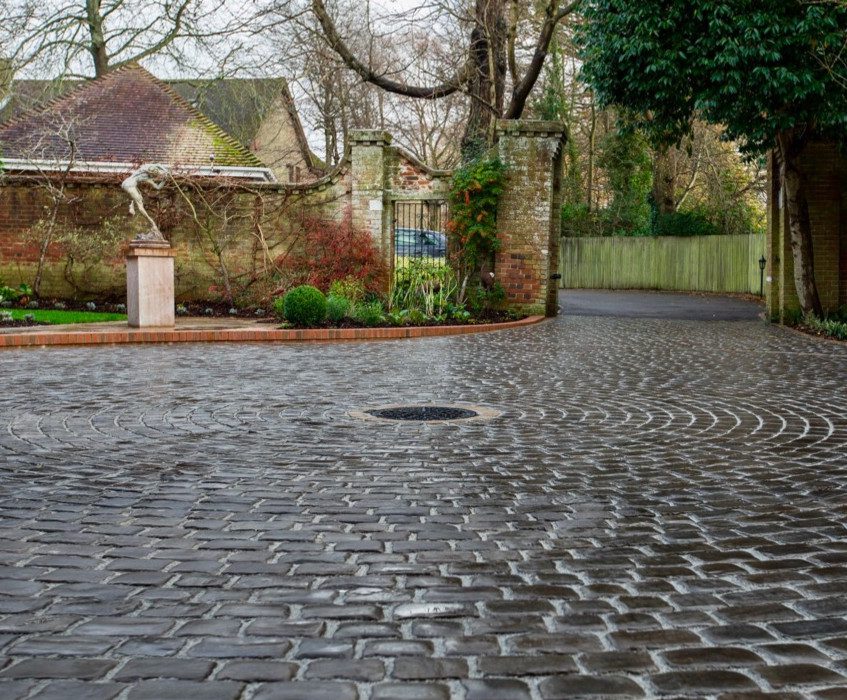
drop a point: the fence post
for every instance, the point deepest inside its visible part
(529, 213)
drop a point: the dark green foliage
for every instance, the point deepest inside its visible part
(14, 293)
(683, 223)
(830, 327)
(757, 67)
(579, 222)
(481, 300)
(304, 306)
(336, 308)
(625, 156)
(279, 307)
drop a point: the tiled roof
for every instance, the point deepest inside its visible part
(127, 116)
(237, 105)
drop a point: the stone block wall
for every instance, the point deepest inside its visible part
(528, 214)
(826, 169)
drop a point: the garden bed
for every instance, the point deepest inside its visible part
(831, 328)
(488, 318)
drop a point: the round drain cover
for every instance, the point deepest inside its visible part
(423, 413)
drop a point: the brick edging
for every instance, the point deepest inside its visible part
(118, 337)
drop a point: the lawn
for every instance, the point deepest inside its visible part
(55, 317)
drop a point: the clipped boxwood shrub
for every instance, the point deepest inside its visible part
(336, 308)
(304, 306)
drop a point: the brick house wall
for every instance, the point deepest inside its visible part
(826, 169)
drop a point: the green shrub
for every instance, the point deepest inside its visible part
(351, 288)
(416, 317)
(481, 299)
(23, 291)
(830, 327)
(475, 191)
(304, 306)
(422, 284)
(337, 307)
(792, 317)
(369, 313)
(279, 307)
(580, 222)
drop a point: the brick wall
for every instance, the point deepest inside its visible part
(825, 169)
(371, 176)
(85, 207)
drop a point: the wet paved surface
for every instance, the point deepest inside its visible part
(646, 304)
(659, 511)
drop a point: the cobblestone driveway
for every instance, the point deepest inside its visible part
(660, 510)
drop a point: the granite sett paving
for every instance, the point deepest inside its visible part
(659, 511)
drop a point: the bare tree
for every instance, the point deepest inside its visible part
(84, 38)
(53, 176)
(490, 55)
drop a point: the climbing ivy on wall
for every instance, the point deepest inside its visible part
(474, 194)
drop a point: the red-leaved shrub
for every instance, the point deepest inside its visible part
(330, 250)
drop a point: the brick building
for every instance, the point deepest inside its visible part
(86, 140)
(826, 169)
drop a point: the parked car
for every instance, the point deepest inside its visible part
(419, 243)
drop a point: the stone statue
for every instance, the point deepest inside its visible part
(156, 175)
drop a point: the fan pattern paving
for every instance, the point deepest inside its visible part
(655, 507)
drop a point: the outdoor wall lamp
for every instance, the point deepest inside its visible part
(762, 263)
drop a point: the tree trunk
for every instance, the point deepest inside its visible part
(97, 45)
(42, 259)
(664, 182)
(790, 146)
(592, 147)
(486, 87)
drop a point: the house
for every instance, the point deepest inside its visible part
(258, 113)
(117, 122)
(62, 165)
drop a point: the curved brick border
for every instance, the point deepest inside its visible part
(110, 337)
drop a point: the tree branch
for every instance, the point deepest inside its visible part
(524, 86)
(333, 38)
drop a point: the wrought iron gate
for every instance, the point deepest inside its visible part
(419, 232)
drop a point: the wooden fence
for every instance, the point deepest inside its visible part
(700, 263)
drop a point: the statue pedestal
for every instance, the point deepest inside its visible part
(150, 285)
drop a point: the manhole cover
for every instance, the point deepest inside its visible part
(423, 413)
(418, 413)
